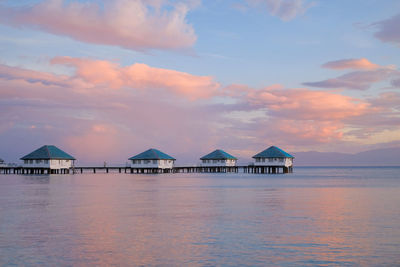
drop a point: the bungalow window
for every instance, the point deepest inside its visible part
(146, 161)
(38, 161)
(26, 161)
(46, 161)
(270, 159)
(67, 160)
(263, 159)
(154, 161)
(31, 161)
(257, 159)
(281, 159)
(215, 161)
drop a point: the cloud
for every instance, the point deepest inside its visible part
(322, 132)
(97, 142)
(395, 83)
(368, 74)
(382, 125)
(132, 24)
(362, 63)
(107, 112)
(77, 112)
(141, 76)
(298, 116)
(389, 30)
(305, 104)
(284, 9)
(388, 101)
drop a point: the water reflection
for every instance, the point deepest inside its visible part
(36, 179)
(196, 220)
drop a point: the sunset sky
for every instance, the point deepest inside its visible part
(105, 80)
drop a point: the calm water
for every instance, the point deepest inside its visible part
(315, 216)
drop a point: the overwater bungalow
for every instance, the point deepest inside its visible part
(48, 159)
(152, 160)
(218, 158)
(274, 157)
(2, 163)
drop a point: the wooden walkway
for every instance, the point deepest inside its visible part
(182, 169)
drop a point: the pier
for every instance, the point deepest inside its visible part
(49, 159)
(182, 169)
(235, 169)
(22, 170)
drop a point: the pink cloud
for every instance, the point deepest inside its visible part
(305, 104)
(303, 116)
(389, 30)
(96, 123)
(357, 80)
(141, 76)
(136, 24)
(368, 73)
(15, 73)
(362, 63)
(323, 132)
(388, 100)
(99, 142)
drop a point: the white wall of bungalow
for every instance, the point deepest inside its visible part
(152, 163)
(287, 162)
(48, 163)
(218, 162)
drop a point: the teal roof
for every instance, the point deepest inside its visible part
(273, 152)
(48, 152)
(152, 154)
(218, 154)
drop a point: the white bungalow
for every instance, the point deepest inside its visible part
(152, 158)
(218, 158)
(2, 163)
(48, 157)
(273, 156)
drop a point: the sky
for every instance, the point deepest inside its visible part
(106, 80)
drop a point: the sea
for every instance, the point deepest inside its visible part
(316, 216)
